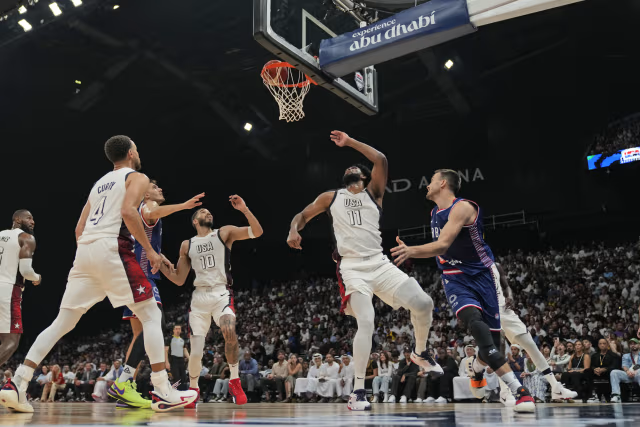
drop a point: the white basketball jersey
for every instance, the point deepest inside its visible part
(106, 199)
(10, 257)
(356, 224)
(210, 259)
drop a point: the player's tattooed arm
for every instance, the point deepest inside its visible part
(180, 274)
(463, 214)
(230, 233)
(152, 211)
(380, 171)
(319, 205)
(83, 220)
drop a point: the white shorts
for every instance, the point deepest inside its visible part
(374, 275)
(106, 267)
(511, 324)
(10, 309)
(209, 303)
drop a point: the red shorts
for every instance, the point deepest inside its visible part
(10, 309)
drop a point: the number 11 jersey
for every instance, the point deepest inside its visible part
(356, 224)
(210, 259)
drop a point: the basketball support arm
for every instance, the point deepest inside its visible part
(485, 12)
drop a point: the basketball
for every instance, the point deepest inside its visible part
(274, 75)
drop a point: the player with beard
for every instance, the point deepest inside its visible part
(209, 253)
(105, 266)
(16, 252)
(124, 389)
(363, 270)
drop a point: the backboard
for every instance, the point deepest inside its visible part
(292, 31)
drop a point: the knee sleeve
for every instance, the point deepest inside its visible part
(480, 331)
(137, 351)
(411, 297)
(151, 318)
(195, 358)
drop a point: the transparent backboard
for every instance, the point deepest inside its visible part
(293, 29)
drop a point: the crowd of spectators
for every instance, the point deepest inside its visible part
(618, 136)
(579, 303)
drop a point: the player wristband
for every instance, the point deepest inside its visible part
(251, 235)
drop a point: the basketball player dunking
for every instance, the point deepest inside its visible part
(363, 270)
(469, 276)
(208, 253)
(124, 389)
(105, 266)
(16, 252)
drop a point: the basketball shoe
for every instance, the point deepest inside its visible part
(174, 399)
(193, 405)
(478, 382)
(235, 389)
(559, 392)
(13, 398)
(506, 397)
(524, 401)
(427, 363)
(358, 401)
(126, 392)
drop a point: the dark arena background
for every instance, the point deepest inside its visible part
(539, 114)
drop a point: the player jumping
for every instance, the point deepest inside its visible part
(363, 270)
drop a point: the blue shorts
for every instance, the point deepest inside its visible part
(128, 314)
(478, 291)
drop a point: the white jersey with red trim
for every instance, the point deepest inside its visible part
(210, 259)
(10, 257)
(106, 199)
(469, 253)
(356, 224)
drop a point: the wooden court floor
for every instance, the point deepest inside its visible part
(329, 415)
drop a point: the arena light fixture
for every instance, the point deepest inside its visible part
(248, 126)
(22, 10)
(116, 6)
(448, 64)
(78, 82)
(55, 9)
(76, 3)
(25, 25)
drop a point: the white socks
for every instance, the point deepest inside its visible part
(511, 381)
(160, 381)
(127, 374)
(233, 371)
(23, 375)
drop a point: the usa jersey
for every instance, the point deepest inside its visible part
(10, 257)
(106, 198)
(211, 260)
(468, 253)
(154, 234)
(356, 224)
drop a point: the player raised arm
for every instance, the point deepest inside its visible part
(463, 213)
(319, 205)
(180, 274)
(136, 186)
(152, 211)
(27, 248)
(380, 171)
(231, 233)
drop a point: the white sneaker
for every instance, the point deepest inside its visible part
(173, 400)
(559, 392)
(386, 398)
(593, 400)
(403, 399)
(375, 399)
(615, 399)
(441, 400)
(358, 401)
(391, 399)
(426, 362)
(418, 400)
(429, 400)
(507, 398)
(12, 398)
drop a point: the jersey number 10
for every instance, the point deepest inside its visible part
(354, 217)
(207, 261)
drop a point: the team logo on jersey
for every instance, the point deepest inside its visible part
(204, 247)
(449, 261)
(352, 203)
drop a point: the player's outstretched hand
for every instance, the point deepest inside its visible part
(193, 202)
(155, 260)
(402, 252)
(37, 282)
(340, 138)
(294, 240)
(238, 203)
(168, 263)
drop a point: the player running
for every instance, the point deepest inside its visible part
(363, 270)
(209, 253)
(469, 276)
(105, 266)
(16, 252)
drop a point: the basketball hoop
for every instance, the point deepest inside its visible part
(288, 86)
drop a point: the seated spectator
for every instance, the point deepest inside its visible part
(7, 376)
(603, 363)
(37, 385)
(274, 382)
(327, 379)
(588, 348)
(344, 385)
(404, 381)
(306, 387)
(55, 382)
(559, 359)
(383, 379)
(442, 386)
(69, 379)
(100, 389)
(630, 372)
(516, 361)
(533, 379)
(221, 387)
(578, 377)
(208, 380)
(85, 381)
(295, 370)
(461, 388)
(248, 370)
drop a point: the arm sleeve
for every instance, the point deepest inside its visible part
(27, 270)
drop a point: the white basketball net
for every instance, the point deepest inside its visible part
(289, 93)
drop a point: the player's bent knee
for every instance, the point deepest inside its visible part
(422, 303)
(147, 311)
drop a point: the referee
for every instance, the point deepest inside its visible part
(175, 354)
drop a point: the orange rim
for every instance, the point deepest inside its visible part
(273, 65)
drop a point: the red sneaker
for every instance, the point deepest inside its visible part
(193, 405)
(239, 398)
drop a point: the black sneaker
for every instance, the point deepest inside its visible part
(524, 401)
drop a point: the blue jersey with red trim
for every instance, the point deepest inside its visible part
(154, 234)
(469, 253)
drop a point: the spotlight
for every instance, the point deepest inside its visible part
(76, 3)
(448, 64)
(25, 25)
(22, 10)
(55, 9)
(78, 82)
(248, 126)
(116, 7)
